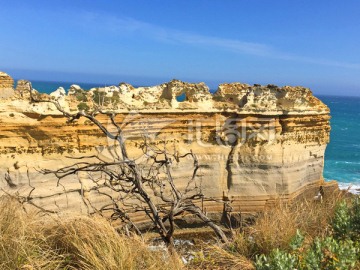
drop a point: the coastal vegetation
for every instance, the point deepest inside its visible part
(83, 106)
(30, 241)
(304, 235)
(100, 98)
(80, 95)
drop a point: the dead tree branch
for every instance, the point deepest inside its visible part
(131, 186)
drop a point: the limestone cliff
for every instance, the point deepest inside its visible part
(6, 85)
(254, 143)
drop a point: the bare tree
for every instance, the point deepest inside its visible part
(146, 185)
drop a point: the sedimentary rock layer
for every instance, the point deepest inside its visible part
(6, 85)
(254, 143)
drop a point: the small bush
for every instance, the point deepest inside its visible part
(341, 223)
(356, 217)
(116, 97)
(100, 98)
(328, 253)
(346, 221)
(331, 254)
(83, 106)
(81, 95)
(277, 260)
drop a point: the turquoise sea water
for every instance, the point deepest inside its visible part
(48, 87)
(342, 158)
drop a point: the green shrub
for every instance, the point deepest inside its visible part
(297, 241)
(346, 221)
(355, 214)
(116, 97)
(83, 106)
(341, 223)
(100, 98)
(330, 253)
(81, 95)
(277, 260)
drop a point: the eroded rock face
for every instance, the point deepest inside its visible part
(6, 81)
(23, 88)
(6, 86)
(254, 143)
(269, 98)
(193, 92)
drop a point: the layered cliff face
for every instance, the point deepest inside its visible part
(6, 85)
(254, 143)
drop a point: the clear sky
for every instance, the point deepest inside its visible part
(286, 42)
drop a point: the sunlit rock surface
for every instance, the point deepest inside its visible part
(6, 85)
(254, 143)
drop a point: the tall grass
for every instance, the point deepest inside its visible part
(275, 228)
(23, 243)
(278, 224)
(216, 257)
(27, 242)
(31, 241)
(92, 243)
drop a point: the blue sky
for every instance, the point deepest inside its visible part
(310, 43)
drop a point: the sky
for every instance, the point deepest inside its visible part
(310, 43)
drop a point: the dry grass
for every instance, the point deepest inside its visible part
(275, 228)
(23, 243)
(92, 243)
(278, 225)
(216, 257)
(26, 242)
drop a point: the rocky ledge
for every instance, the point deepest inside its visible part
(254, 143)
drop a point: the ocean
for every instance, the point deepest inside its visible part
(342, 157)
(48, 87)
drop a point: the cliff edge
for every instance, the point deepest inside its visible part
(254, 143)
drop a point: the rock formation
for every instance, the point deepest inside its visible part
(6, 81)
(6, 85)
(254, 143)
